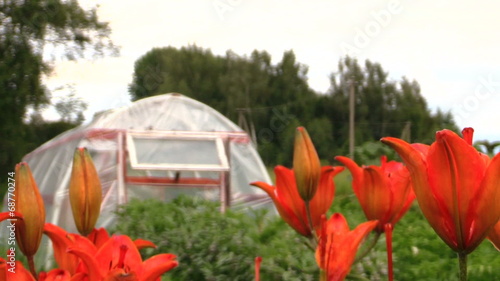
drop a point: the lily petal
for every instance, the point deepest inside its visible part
(286, 189)
(323, 199)
(58, 275)
(494, 236)
(338, 245)
(109, 253)
(155, 266)
(21, 273)
(486, 204)
(288, 203)
(62, 241)
(98, 236)
(95, 269)
(461, 170)
(141, 244)
(415, 161)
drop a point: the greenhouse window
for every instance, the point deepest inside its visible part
(177, 152)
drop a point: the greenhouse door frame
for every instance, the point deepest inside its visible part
(222, 140)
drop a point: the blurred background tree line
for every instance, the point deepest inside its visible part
(270, 101)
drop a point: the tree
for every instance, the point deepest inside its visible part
(71, 108)
(27, 27)
(233, 85)
(382, 107)
(191, 71)
(277, 98)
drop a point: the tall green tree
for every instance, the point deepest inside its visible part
(276, 98)
(191, 70)
(383, 107)
(237, 86)
(27, 28)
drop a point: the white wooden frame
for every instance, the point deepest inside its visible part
(221, 153)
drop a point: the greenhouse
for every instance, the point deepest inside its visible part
(158, 147)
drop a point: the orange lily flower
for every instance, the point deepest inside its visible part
(290, 205)
(456, 187)
(98, 236)
(85, 192)
(494, 235)
(119, 259)
(306, 165)
(385, 193)
(55, 275)
(16, 272)
(338, 246)
(30, 205)
(61, 241)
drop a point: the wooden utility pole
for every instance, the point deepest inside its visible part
(351, 118)
(406, 133)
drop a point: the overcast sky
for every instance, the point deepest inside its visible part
(452, 48)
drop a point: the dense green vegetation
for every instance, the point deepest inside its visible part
(214, 246)
(27, 28)
(276, 98)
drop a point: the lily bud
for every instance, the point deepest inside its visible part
(85, 192)
(30, 205)
(306, 165)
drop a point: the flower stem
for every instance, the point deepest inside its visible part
(462, 265)
(31, 264)
(322, 275)
(310, 222)
(368, 248)
(310, 244)
(258, 260)
(388, 243)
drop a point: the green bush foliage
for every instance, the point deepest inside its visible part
(215, 246)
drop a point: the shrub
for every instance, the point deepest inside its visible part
(215, 246)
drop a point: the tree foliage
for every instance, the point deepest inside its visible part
(27, 29)
(70, 107)
(276, 98)
(382, 107)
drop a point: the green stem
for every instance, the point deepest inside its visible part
(368, 248)
(310, 222)
(462, 265)
(388, 243)
(31, 264)
(258, 260)
(322, 275)
(309, 245)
